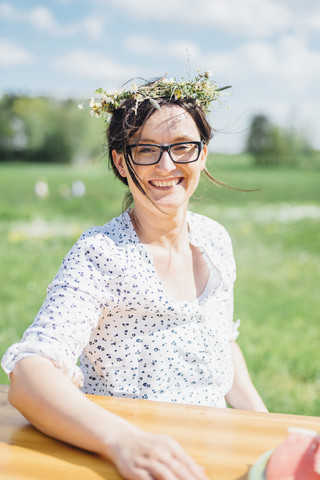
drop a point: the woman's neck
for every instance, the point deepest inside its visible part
(181, 267)
(159, 228)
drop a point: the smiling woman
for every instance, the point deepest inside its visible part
(145, 301)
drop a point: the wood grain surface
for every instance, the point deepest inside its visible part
(227, 442)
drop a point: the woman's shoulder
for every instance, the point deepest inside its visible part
(207, 228)
(100, 242)
(211, 236)
(115, 232)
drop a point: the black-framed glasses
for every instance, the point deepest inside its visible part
(150, 154)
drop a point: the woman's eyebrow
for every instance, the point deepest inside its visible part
(183, 138)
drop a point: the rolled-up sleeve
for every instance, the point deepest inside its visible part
(68, 315)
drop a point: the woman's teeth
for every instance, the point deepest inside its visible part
(165, 183)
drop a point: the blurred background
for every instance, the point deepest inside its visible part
(267, 50)
(55, 182)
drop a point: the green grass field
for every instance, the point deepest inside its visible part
(276, 238)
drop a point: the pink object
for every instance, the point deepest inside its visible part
(297, 458)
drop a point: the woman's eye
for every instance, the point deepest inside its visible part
(182, 148)
(145, 150)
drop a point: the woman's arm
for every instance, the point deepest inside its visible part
(243, 394)
(55, 406)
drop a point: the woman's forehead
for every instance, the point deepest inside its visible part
(171, 118)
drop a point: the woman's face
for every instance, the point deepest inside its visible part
(169, 185)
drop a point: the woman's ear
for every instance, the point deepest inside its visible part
(203, 157)
(119, 163)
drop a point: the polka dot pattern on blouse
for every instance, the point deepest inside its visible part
(106, 306)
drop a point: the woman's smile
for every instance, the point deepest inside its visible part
(165, 183)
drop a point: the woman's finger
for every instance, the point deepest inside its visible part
(181, 458)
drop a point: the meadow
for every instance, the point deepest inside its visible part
(276, 239)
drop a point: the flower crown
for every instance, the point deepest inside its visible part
(201, 89)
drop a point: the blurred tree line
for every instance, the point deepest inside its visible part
(43, 129)
(270, 144)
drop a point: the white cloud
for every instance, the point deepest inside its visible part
(44, 20)
(313, 20)
(247, 17)
(89, 64)
(146, 45)
(7, 11)
(279, 79)
(94, 26)
(12, 55)
(288, 64)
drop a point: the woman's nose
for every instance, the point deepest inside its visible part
(166, 163)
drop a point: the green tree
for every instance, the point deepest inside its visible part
(7, 128)
(260, 140)
(42, 129)
(273, 145)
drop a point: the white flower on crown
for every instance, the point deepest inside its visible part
(168, 80)
(134, 88)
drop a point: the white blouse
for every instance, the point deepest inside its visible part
(107, 306)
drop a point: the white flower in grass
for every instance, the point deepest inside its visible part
(41, 188)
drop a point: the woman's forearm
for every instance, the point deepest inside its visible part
(243, 394)
(52, 404)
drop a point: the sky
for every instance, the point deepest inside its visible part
(268, 50)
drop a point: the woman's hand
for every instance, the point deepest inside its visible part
(139, 455)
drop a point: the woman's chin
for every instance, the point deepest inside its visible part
(170, 205)
(169, 200)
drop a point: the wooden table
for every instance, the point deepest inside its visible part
(227, 442)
